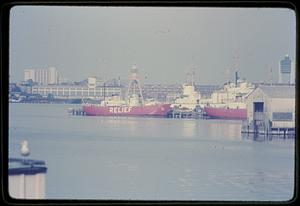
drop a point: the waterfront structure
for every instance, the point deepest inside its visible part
(285, 67)
(42, 76)
(26, 178)
(271, 109)
(158, 92)
(77, 91)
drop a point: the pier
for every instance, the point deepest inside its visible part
(77, 112)
(262, 131)
(186, 114)
(175, 114)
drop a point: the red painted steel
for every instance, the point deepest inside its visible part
(226, 113)
(151, 110)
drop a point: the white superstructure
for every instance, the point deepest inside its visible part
(232, 95)
(189, 99)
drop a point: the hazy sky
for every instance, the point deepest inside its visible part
(163, 42)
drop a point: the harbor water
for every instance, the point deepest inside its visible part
(150, 158)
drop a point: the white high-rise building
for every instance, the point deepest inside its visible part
(42, 76)
(285, 67)
(52, 76)
(29, 74)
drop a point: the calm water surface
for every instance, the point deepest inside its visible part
(150, 158)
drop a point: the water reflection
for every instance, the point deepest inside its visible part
(151, 158)
(269, 137)
(115, 123)
(189, 128)
(229, 129)
(153, 127)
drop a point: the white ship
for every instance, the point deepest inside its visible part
(229, 102)
(190, 98)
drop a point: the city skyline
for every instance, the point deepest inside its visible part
(165, 43)
(42, 76)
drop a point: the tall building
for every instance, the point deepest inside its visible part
(52, 76)
(285, 67)
(29, 74)
(42, 76)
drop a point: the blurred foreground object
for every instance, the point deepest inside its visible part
(26, 177)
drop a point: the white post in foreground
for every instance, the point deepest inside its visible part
(26, 178)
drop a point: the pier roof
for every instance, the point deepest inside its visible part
(278, 91)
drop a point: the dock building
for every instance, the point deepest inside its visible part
(77, 91)
(159, 92)
(270, 110)
(88, 89)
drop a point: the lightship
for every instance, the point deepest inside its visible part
(134, 104)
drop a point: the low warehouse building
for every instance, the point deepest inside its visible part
(271, 110)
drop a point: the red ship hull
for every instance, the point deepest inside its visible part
(224, 113)
(159, 110)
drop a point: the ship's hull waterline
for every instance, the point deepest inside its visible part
(158, 110)
(226, 113)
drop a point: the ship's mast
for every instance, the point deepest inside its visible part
(134, 84)
(235, 67)
(193, 76)
(190, 77)
(104, 91)
(271, 76)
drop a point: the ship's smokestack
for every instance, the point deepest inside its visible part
(236, 77)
